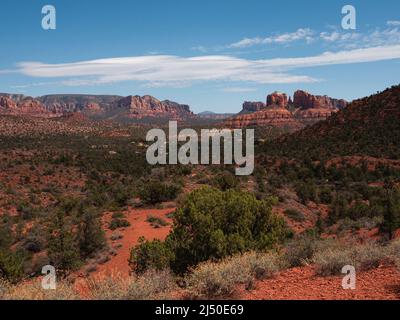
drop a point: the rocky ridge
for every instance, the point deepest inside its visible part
(131, 107)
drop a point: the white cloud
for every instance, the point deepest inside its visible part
(300, 34)
(338, 37)
(351, 40)
(393, 23)
(167, 71)
(160, 70)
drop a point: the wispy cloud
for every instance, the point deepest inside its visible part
(167, 71)
(335, 36)
(376, 37)
(393, 23)
(284, 38)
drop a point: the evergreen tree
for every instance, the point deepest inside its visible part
(63, 250)
(391, 214)
(90, 233)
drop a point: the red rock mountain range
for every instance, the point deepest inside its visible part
(278, 110)
(133, 107)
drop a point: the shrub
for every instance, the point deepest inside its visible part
(90, 233)
(220, 279)
(294, 215)
(325, 195)
(393, 252)
(363, 257)
(4, 287)
(12, 265)
(150, 255)
(155, 192)
(152, 285)
(118, 223)
(214, 224)
(391, 213)
(156, 222)
(63, 249)
(300, 251)
(34, 291)
(108, 288)
(306, 191)
(225, 181)
(214, 280)
(116, 236)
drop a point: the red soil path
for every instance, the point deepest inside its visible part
(382, 283)
(139, 228)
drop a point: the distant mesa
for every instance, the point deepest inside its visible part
(214, 116)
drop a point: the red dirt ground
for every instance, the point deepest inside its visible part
(139, 228)
(382, 283)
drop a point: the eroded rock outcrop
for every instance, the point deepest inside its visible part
(305, 100)
(268, 117)
(277, 99)
(305, 108)
(24, 106)
(148, 106)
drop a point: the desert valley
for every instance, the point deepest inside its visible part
(77, 193)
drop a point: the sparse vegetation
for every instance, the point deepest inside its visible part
(156, 222)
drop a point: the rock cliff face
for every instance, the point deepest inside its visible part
(148, 106)
(132, 107)
(305, 108)
(267, 117)
(23, 106)
(305, 100)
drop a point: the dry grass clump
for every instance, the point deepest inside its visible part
(4, 287)
(152, 285)
(330, 261)
(34, 291)
(212, 280)
(393, 252)
(301, 250)
(113, 287)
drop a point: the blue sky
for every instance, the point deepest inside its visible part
(212, 55)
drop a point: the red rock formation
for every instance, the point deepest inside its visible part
(7, 103)
(315, 107)
(25, 106)
(310, 109)
(252, 106)
(134, 107)
(92, 107)
(148, 106)
(305, 100)
(268, 117)
(277, 99)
